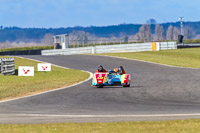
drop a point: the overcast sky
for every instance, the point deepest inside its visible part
(69, 13)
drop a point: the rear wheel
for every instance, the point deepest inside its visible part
(126, 85)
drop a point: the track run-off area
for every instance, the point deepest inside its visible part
(157, 92)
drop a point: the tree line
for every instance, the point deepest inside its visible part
(122, 32)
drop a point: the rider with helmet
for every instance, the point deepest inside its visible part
(100, 69)
(120, 70)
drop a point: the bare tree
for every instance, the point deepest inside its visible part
(170, 33)
(123, 37)
(47, 40)
(136, 37)
(145, 32)
(159, 33)
(79, 37)
(189, 33)
(151, 21)
(126, 38)
(176, 32)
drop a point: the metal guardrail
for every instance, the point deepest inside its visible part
(110, 48)
(7, 66)
(98, 42)
(0, 65)
(23, 52)
(192, 45)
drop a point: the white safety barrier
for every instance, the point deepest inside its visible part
(25, 71)
(44, 67)
(0, 65)
(155, 46)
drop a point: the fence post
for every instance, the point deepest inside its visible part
(93, 50)
(160, 46)
(167, 45)
(0, 65)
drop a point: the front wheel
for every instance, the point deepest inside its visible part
(100, 86)
(126, 85)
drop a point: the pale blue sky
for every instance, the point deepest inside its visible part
(69, 13)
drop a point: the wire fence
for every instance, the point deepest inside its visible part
(89, 43)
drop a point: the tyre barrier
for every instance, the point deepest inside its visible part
(188, 46)
(24, 52)
(7, 66)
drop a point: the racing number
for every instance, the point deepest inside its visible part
(99, 77)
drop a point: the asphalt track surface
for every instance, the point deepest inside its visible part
(157, 92)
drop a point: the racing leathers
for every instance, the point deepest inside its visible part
(104, 70)
(120, 70)
(100, 68)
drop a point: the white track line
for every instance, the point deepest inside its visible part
(96, 116)
(108, 116)
(148, 62)
(91, 75)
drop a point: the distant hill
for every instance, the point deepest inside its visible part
(17, 34)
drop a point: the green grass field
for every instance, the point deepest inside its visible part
(181, 126)
(14, 86)
(26, 48)
(180, 57)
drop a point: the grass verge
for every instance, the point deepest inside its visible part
(26, 48)
(181, 126)
(181, 57)
(14, 86)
